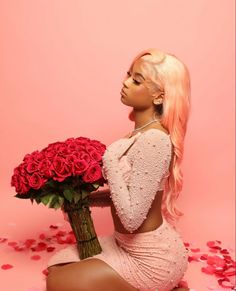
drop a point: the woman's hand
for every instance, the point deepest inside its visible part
(100, 198)
(100, 193)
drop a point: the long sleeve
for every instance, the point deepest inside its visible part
(151, 154)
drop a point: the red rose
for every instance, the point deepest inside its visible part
(59, 160)
(32, 167)
(50, 154)
(18, 182)
(82, 155)
(62, 149)
(22, 169)
(93, 173)
(38, 156)
(98, 146)
(27, 157)
(35, 181)
(80, 166)
(44, 168)
(61, 169)
(95, 155)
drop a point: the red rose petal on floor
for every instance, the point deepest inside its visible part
(195, 258)
(183, 284)
(70, 239)
(224, 251)
(195, 250)
(208, 270)
(19, 248)
(210, 243)
(53, 226)
(45, 272)
(35, 257)
(230, 272)
(213, 250)
(186, 244)
(216, 247)
(61, 233)
(215, 260)
(204, 257)
(50, 249)
(40, 247)
(3, 239)
(29, 242)
(12, 243)
(192, 258)
(6, 266)
(42, 236)
(225, 283)
(228, 259)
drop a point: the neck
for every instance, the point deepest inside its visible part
(143, 117)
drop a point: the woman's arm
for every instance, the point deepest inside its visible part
(100, 198)
(150, 164)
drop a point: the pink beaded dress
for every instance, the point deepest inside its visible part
(135, 169)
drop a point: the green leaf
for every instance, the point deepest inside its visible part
(77, 197)
(84, 194)
(45, 199)
(50, 183)
(95, 186)
(22, 196)
(38, 200)
(61, 200)
(53, 200)
(68, 193)
(57, 205)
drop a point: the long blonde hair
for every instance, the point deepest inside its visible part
(167, 74)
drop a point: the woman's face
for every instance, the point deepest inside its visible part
(135, 93)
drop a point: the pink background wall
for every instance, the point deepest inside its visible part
(61, 70)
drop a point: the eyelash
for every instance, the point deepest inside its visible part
(135, 81)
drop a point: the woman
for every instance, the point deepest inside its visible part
(142, 169)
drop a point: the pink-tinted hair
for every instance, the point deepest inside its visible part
(166, 73)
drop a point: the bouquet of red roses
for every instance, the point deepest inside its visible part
(62, 175)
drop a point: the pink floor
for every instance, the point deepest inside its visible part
(27, 242)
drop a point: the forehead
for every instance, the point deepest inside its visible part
(143, 67)
(138, 66)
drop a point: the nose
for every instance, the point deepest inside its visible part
(125, 80)
(124, 83)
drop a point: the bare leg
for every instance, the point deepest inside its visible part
(89, 275)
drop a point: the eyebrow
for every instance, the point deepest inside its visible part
(137, 74)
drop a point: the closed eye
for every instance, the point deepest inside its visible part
(135, 81)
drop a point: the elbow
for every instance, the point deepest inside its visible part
(129, 224)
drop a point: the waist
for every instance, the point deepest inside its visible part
(158, 229)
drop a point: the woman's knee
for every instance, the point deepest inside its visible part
(64, 279)
(51, 283)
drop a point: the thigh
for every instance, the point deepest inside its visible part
(87, 275)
